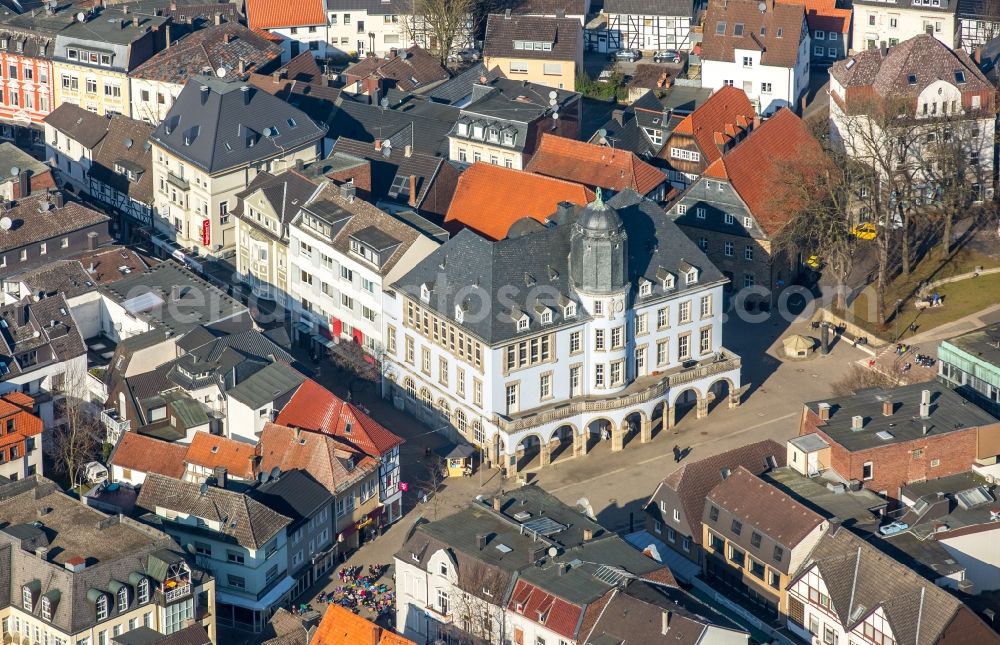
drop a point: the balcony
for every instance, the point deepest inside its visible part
(114, 425)
(179, 182)
(178, 592)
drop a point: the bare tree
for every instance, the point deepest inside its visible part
(860, 378)
(78, 434)
(437, 25)
(432, 481)
(479, 611)
(358, 364)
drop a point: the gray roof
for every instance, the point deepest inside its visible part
(459, 88)
(425, 130)
(294, 494)
(285, 194)
(982, 344)
(502, 31)
(373, 7)
(232, 124)
(12, 157)
(67, 277)
(647, 8)
(949, 412)
(82, 126)
(390, 166)
(851, 508)
(46, 327)
(266, 385)
(200, 303)
(250, 523)
(126, 145)
(541, 256)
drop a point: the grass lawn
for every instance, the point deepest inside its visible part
(960, 298)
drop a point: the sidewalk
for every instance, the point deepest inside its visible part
(960, 326)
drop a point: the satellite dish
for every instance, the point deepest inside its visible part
(553, 102)
(384, 102)
(553, 552)
(221, 72)
(81, 17)
(203, 488)
(5, 223)
(15, 171)
(602, 133)
(762, 7)
(555, 116)
(128, 144)
(553, 95)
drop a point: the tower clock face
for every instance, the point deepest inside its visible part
(619, 306)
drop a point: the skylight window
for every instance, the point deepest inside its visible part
(959, 76)
(911, 79)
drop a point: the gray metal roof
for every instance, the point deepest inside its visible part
(294, 494)
(459, 88)
(232, 124)
(266, 385)
(481, 271)
(983, 344)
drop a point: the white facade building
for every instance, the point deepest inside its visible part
(342, 253)
(648, 27)
(374, 27)
(540, 343)
(884, 23)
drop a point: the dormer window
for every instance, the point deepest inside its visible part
(546, 317)
(477, 131)
(508, 139)
(122, 600)
(425, 292)
(691, 276)
(463, 129)
(646, 288)
(494, 134)
(27, 598)
(522, 323)
(46, 608)
(569, 311)
(143, 588)
(459, 314)
(102, 607)
(668, 281)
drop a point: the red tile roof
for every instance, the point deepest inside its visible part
(315, 408)
(728, 106)
(824, 15)
(148, 455)
(269, 14)
(341, 626)
(483, 199)
(556, 614)
(18, 406)
(593, 165)
(324, 457)
(213, 451)
(756, 167)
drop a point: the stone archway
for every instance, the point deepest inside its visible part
(562, 441)
(530, 452)
(597, 431)
(687, 402)
(634, 424)
(658, 421)
(722, 390)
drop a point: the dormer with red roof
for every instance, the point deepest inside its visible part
(706, 134)
(20, 437)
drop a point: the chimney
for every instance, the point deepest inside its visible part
(924, 429)
(587, 535)
(496, 504)
(76, 564)
(666, 616)
(221, 476)
(824, 411)
(166, 35)
(378, 144)
(481, 541)
(125, 10)
(204, 94)
(42, 552)
(218, 18)
(413, 191)
(300, 164)
(243, 66)
(25, 314)
(57, 200)
(23, 184)
(407, 150)
(925, 404)
(246, 94)
(506, 14)
(618, 116)
(135, 21)
(227, 38)
(92, 241)
(175, 293)
(857, 422)
(887, 408)
(347, 192)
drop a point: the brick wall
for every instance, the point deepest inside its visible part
(362, 176)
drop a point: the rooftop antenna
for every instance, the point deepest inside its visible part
(384, 104)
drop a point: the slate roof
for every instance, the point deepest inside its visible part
(541, 255)
(763, 507)
(250, 523)
(145, 454)
(334, 463)
(388, 164)
(593, 165)
(294, 494)
(459, 87)
(756, 167)
(859, 578)
(126, 145)
(426, 133)
(316, 408)
(32, 224)
(779, 47)
(646, 8)
(408, 70)
(33, 43)
(82, 126)
(948, 412)
(229, 46)
(63, 339)
(727, 107)
(546, 7)
(215, 451)
(923, 57)
(232, 124)
(67, 277)
(693, 481)
(502, 31)
(269, 14)
(268, 384)
(350, 218)
(285, 193)
(481, 201)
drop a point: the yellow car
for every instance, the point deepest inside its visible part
(814, 262)
(865, 231)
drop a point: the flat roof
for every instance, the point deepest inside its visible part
(809, 442)
(983, 344)
(850, 507)
(949, 412)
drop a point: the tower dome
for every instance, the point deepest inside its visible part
(598, 250)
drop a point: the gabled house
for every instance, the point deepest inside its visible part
(849, 591)
(829, 28)
(675, 509)
(121, 175)
(302, 25)
(480, 201)
(738, 207)
(21, 437)
(766, 53)
(707, 133)
(536, 49)
(72, 134)
(408, 70)
(136, 455)
(756, 537)
(643, 126)
(649, 27)
(596, 166)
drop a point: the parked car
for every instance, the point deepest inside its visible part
(464, 56)
(667, 56)
(630, 55)
(865, 231)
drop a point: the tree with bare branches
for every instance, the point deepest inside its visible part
(478, 611)
(358, 364)
(439, 25)
(78, 434)
(860, 378)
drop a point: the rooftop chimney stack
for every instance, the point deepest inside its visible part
(857, 422)
(481, 541)
(57, 200)
(587, 535)
(496, 504)
(824, 411)
(925, 404)
(667, 615)
(887, 408)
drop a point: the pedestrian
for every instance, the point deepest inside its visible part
(677, 453)
(604, 434)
